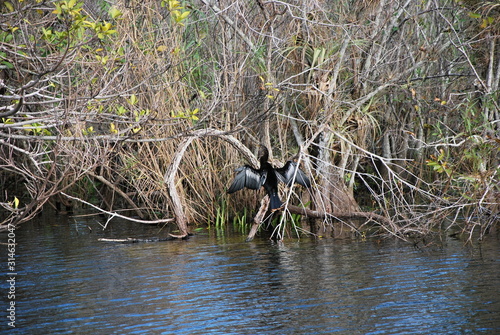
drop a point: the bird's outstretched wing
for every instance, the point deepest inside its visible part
(287, 173)
(247, 177)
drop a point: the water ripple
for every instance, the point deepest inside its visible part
(72, 284)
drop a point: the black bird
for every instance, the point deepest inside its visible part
(268, 177)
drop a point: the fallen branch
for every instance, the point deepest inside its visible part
(169, 178)
(170, 175)
(113, 214)
(322, 215)
(258, 218)
(311, 214)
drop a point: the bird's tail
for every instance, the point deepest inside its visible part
(275, 201)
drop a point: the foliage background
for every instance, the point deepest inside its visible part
(391, 106)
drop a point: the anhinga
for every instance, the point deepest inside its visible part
(268, 177)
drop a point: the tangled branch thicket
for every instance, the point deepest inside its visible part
(390, 106)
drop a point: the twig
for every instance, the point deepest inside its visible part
(230, 22)
(120, 192)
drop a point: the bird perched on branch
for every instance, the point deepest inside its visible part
(268, 177)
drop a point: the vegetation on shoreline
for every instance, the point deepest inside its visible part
(391, 107)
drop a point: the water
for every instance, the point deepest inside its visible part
(68, 282)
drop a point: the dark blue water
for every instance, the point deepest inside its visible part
(68, 282)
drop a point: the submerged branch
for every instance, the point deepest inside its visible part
(135, 240)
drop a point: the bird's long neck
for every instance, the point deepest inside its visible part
(264, 156)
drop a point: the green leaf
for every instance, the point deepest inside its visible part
(114, 12)
(16, 203)
(9, 6)
(184, 15)
(474, 15)
(132, 100)
(121, 110)
(8, 65)
(193, 114)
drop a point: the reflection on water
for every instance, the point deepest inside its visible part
(69, 282)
